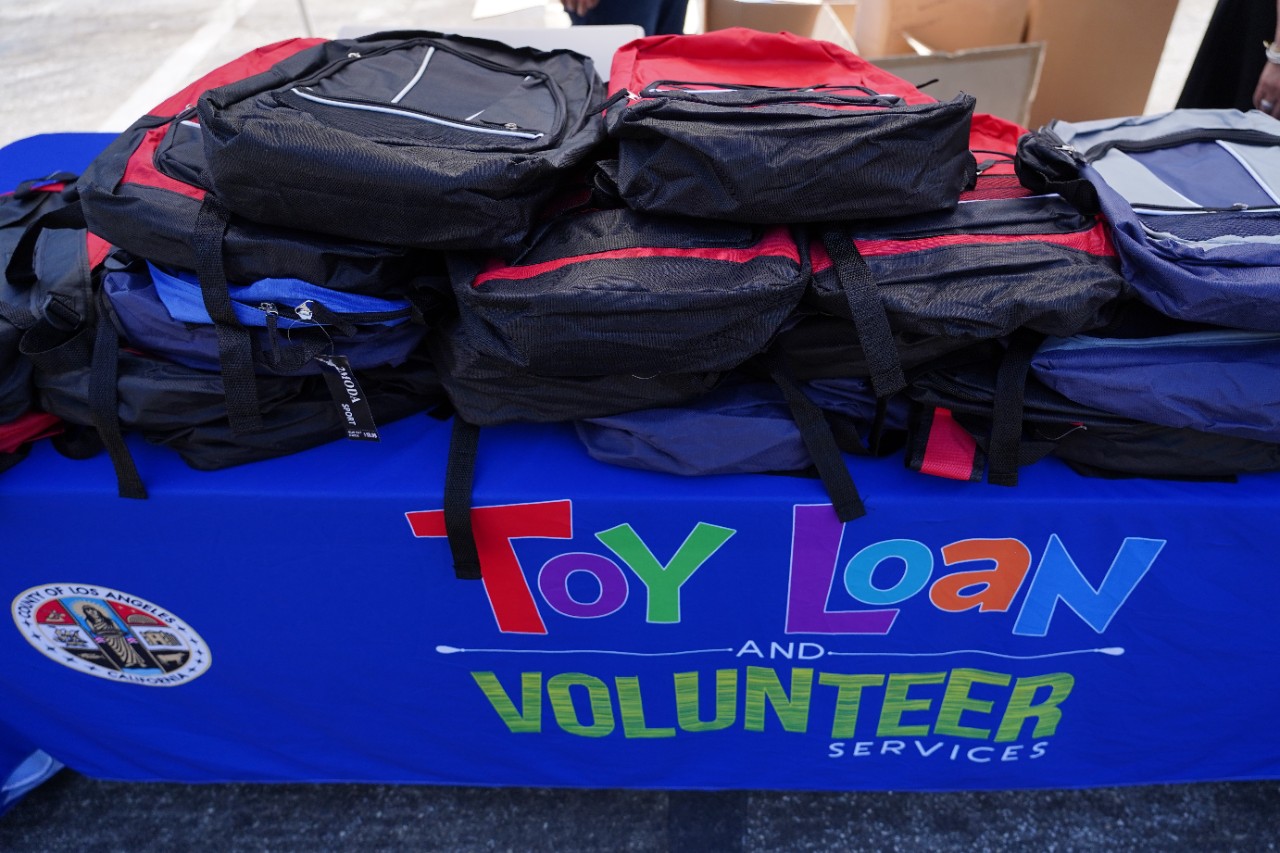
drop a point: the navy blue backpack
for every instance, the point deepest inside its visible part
(1176, 374)
(1193, 201)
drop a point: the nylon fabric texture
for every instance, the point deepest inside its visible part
(770, 127)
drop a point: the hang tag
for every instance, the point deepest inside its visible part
(347, 393)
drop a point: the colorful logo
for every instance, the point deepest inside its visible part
(110, 634)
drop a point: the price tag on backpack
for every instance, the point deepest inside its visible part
(347, 393)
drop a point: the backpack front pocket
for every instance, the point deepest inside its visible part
(613, 292)
(423, 89)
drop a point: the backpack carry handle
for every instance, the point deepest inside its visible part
(1045, 164)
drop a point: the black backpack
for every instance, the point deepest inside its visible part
(890, 294)
(146, 190)
(102, 386)
(149, 193)
(610, 311)
(605, 292)
(772, 127)
(22, 302)
(31, 299)
(410, 138)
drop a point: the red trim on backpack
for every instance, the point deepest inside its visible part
(97, 248)
(1095, 241)
(743, 56)
(776, 243)
(253, 62)
(27, 428)
(950, 451)
(141, 168)
(41, 188)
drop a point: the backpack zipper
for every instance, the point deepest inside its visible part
(1085, 343)
(1246, 136)
(819, 93)
(311, 311)
(508, 129)
(1089, 155)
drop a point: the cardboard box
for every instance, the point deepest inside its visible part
(1002, 79)
(887, 27)
(829, 20)
(1100, 56)
(768, 17)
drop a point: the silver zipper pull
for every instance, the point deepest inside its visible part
(304, 311)
(1070, 151)
(273, 317)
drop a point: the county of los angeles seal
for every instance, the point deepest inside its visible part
(110, 634)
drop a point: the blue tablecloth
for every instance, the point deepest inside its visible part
(298, 620)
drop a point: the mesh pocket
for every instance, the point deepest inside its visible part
(1209, 226)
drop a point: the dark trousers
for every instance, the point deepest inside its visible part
(658, 17)
(1227, 65)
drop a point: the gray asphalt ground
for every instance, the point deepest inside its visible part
(74, 813)
(79, 65)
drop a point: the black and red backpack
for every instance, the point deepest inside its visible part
(890, 294)
(415, 138)
(149, 193)
(761, 127)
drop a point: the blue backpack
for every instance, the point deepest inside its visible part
(744, 426)
(291, 322)
(1193, 200)
(1219, 381)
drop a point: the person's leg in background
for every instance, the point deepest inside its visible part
(657, 17)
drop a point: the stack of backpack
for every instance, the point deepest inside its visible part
(231, 330)
(753, 252)
(898, 278)
(1184, 381)
(57, 291)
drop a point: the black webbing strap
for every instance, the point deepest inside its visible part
(869, 317)
(1007, 408)
(104, 408)
(299, 353)
(55, 350)
(21, 270)
(235, 346)
(818, 439)
(875, 438)
(459, 477)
